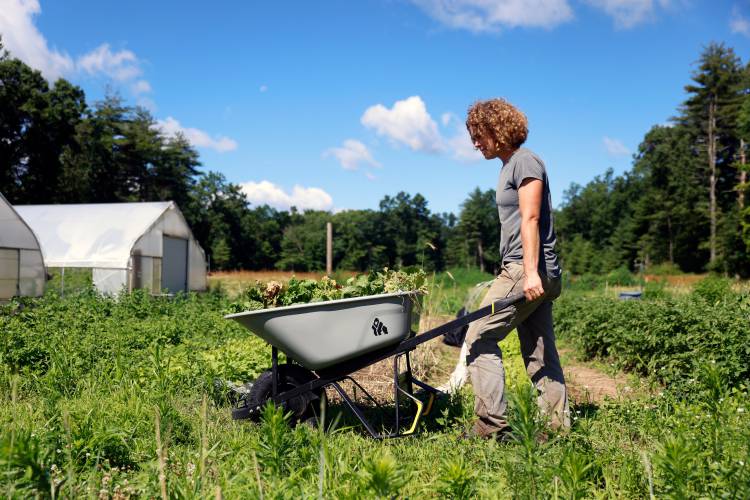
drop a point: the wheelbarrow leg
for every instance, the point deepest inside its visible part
(356, 410)
(403, 387)
(402, 383)
(356, 385)
(431, 391)
(397, 389)
(275, 371)
(395, 392)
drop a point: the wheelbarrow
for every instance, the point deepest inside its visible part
(326, 342)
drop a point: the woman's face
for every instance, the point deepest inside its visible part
(484, 142)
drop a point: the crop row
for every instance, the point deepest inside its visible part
(667, 337)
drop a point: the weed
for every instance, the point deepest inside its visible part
(574, 472)
(25, 464)
(675, 459)
(382, 476)
(457, 480)
(526, 427)
(274, 440)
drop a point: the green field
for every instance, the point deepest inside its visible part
(115, 398)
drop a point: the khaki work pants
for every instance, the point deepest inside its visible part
(533, 321)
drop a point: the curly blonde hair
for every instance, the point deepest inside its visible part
(501, 120)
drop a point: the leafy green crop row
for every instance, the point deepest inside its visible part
(61, 341)
(667, 337)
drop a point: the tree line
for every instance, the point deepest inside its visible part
(681, 203)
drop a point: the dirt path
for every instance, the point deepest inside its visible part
(590, 385)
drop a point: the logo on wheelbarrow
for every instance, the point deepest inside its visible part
(379, 328)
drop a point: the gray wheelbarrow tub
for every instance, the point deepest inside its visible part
(321, 334)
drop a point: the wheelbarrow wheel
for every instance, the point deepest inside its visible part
(302, 407)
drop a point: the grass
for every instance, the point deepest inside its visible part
(104, 398)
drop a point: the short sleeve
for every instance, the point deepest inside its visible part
(527, 167)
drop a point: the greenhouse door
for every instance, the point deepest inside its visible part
(174, 264)
(9, 272)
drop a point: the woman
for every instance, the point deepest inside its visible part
(529, 264)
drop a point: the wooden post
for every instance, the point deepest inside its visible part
(329, 248)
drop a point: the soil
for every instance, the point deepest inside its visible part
(590, 385)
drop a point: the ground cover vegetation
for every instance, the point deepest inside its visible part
(682, 204)
(116, 398)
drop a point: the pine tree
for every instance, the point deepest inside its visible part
(670, 206)
(479, 226)
(711, 111)
(743, 131)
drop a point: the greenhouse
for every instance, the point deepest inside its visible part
(22, 270)
(126, 245)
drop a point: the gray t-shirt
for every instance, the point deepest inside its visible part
(523, 165)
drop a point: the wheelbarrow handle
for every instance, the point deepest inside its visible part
(487, 310)
(512, 300)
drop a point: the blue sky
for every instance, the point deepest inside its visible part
(334, 104)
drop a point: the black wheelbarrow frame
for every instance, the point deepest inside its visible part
(402, 381)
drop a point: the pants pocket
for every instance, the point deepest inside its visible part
(515, 270)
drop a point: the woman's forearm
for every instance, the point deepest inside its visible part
(530, 244)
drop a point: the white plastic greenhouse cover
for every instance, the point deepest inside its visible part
(20, 255)
(91, 235)
(121, 242)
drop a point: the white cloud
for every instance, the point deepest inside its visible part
(370, 176)
(352, 154)
(25, 42)
(615, 147)
(267, 193)
(141, 87)
(492, 15)
(459, 144)
(628, 13)
(121, 66)
(197, 137)
(462, 148)
(407, 122)
(739, 23)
